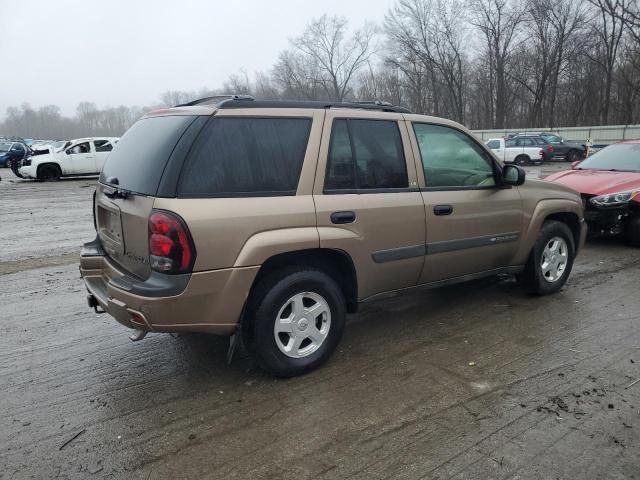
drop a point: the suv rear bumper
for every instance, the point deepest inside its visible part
(209, 302)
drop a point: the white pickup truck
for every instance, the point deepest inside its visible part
(80, 157)
(521, 151)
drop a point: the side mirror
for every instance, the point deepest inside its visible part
(68, 152)
(513, 175)
(575, 164)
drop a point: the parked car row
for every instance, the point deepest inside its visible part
(51, 161)
(535, 148)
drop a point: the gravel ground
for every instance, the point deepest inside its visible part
(470, 381)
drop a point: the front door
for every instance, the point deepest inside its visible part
(367, 200)
(80, 160)
(472, 224)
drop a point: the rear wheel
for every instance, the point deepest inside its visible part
(47, 173)
(294, 320)
(573, 156)
(551, 259)
(521, 160)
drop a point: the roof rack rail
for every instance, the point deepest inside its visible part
(231, 103)
(216, 99)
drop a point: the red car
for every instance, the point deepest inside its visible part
(609, 182)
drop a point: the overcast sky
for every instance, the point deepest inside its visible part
(128, 52)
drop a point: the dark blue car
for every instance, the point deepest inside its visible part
(10, 151)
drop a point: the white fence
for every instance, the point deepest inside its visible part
(598, 135)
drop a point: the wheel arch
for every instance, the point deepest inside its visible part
(333, 262)
(562, 210)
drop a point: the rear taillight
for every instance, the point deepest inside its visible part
(549, 148)
(171, 249)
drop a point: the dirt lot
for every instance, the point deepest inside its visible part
(546, 396)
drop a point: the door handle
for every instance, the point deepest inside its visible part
(443, 210)
(343, 217)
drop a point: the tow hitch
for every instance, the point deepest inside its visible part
(93, 303)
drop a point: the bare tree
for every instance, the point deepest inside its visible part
(498, 21)
(609, 32)
(336, 57)
(432, 32)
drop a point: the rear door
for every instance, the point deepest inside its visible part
(129, 183)
(472, 225)
(367, 200)
(102, 149)
(511, 150)
(530, 148)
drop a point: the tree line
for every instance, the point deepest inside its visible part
(483, 63)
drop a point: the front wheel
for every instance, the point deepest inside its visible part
(48, 173)
(294, 320)
(551, 259)
(632, 231)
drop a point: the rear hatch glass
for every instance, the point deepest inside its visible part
(139, 158)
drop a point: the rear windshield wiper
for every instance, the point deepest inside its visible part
(113, 190)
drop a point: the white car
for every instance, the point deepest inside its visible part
(80, 157)
(521, 150)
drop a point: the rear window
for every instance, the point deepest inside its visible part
(246, 156)
(139, 158)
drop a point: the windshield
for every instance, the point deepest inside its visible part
(59, 145)
(4, 147)
(622, 156)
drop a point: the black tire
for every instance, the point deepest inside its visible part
(532, 278)
(574, 156)
(49, 173)
(521, 160)
(264, 304)
(632, 231)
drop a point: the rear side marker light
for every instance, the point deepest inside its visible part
(171, 248)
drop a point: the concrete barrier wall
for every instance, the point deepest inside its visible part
(598, 135)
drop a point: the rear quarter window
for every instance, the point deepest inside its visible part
(246, 156)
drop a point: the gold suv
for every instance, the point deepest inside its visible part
(274, 219)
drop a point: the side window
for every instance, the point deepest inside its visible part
(494, 144)
(528, 142)
(244, 156)
(450, 158)
(102, 145)
(540, 141)
(364, 155)
(80, 148)
(510, 143)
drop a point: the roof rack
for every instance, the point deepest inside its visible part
(230, 101)
(361, 105)
(215, 99)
